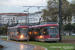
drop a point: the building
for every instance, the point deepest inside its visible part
(30, 18)
(35, 17)
(73, 19)
(10, 18)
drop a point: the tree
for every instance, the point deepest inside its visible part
(3, 30)
(52, 11)
(73, 1)
(68, 27)
(50, 14)
(72, 5)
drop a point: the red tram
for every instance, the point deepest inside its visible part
(18, 32)
(48, 31)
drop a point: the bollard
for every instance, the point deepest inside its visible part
(28, 39)
(8, 38)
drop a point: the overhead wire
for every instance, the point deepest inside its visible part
(36, 4)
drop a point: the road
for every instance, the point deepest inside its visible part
(15, 46)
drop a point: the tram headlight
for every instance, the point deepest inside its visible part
(21, 36)
(41, 36)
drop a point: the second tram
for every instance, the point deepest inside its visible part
(44, 32)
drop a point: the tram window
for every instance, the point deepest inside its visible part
(18, 32)
(24, 31)
(37, 32)
(12, 32)
(52, 30)
(30, 33)
(43, 31)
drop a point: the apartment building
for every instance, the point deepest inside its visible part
(10, 18)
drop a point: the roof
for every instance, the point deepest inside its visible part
(16, 14)
(44, 24)
(48, 23)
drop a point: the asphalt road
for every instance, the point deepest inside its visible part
(15, 46)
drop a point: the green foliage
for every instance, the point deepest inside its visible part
(51, 14)
(68, 36)
(3, 30)
(72, 8)
(68, 27)
(74, 24)
(48, 45)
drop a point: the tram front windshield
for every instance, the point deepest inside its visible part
(53, 30)
(24, 31)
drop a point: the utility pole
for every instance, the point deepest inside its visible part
(27, 22)
(39, 20)
(28, 26)
(60, 21)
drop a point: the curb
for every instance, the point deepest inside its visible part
(34, 48)
(45, 48)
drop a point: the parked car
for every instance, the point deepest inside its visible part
(73, 34)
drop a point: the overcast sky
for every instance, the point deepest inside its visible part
(9, 6)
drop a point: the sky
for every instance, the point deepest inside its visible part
(16, 6)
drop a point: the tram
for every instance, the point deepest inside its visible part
(18, 32)
(47, 31)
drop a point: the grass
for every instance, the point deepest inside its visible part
(52, 46)
(68, 36)
(4, 38)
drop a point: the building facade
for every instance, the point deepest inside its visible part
(12, 18)
(73, 19)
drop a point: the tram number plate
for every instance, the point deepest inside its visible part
(53, 35)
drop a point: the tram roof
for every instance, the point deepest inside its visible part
(45, 24)
(48, 23)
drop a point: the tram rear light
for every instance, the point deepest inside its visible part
(49, 35)
(57, 35)
(21, 36)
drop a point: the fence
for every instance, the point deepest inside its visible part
(68, 36)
